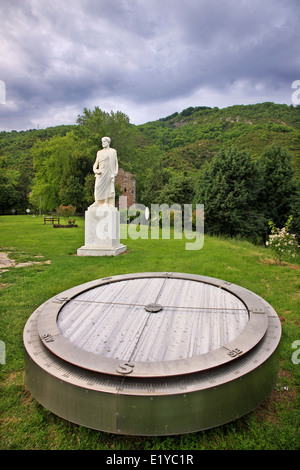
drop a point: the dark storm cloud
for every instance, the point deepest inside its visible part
(146, 58)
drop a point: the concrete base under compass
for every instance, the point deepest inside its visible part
(102, 232)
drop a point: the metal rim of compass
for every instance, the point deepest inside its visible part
(55, 341)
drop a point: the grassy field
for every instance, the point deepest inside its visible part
(53, 267)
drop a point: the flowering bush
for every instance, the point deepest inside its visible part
(66, 212)
(282, 242)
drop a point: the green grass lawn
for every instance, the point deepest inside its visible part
(24, 424)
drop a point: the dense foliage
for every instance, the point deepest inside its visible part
(241, 162)
(16, 165)
(230, 188)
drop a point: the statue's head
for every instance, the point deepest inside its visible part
(106, 139)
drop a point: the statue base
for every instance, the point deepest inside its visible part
(102, 232)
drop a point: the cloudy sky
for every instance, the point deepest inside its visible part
(146, 58)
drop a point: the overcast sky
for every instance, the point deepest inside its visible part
(146, 58)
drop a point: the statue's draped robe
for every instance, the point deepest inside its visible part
(107, 163)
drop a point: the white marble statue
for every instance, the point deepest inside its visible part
(106, 169)
(102, 218)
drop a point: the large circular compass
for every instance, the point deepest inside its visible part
(152, 353)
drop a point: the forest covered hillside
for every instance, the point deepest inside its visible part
(196, 134)
(41, 169)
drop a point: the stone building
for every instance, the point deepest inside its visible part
(126, 183)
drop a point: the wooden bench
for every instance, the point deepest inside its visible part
(50, 220)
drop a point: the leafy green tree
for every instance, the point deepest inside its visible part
(135, 154)
(93, 125)
(72, 192)
(279, 186)
(180, 189)
(154, 180)
(229, 187)
(63, 165)
(77, 167)
(88, 188)
(51, 159)
(10, 196)
(295, 211)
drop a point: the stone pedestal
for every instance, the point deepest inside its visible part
(102, 232)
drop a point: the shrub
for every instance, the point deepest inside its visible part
(282, 242)
(66, 212)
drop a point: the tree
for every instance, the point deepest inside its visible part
(10, 195)
(295, 211)
(180, 189)
(229, 187)
(64, 165)
(154, 180)
(88, 188)
(93, 125)
(279, 186)
(135, 154)
(51, 160)
(72, 192)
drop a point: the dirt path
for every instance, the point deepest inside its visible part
(6, 262)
